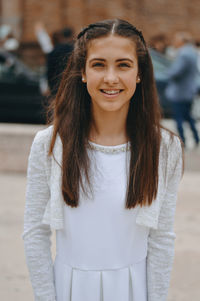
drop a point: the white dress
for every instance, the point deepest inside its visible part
(101, 252)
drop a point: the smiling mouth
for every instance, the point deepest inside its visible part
(111, 92)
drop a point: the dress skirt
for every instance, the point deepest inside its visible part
(124, 284)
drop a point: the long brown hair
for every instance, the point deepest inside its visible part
(72, 119)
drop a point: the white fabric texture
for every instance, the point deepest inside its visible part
(45, 210)
(121, 284)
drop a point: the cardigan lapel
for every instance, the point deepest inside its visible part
(54, 215)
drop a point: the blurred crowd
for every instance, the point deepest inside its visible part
(180, 83)
(182, 78)
(56, 48)
(168, 46)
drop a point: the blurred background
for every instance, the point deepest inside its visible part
(36, 38)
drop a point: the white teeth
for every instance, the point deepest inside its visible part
(111, 92)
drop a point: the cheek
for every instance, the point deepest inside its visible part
(93, 80)
(91, 86)
(90, 89)
(131, 84)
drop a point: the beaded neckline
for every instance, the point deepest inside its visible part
(110, 149)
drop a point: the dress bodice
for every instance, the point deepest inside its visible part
(101, 233)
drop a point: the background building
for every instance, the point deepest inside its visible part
(153, 16)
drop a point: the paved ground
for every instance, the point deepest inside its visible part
(14, 281)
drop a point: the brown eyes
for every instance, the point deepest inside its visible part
(121, 65)
(124, 65)
(98, 65)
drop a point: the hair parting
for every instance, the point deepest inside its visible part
(113, 28)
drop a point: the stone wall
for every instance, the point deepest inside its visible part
(153, 16)
(16, 140)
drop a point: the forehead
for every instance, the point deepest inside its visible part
(112, 46)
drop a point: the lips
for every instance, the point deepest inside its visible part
(111, 92)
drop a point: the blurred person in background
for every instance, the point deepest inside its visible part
(159, 43)
(57, 50)
(8, 42)
(58, 57)
(182, 83)
(197, 43)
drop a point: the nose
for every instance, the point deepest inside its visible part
(111, 76)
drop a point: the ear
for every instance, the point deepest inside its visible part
(84, 77)
(138, 79)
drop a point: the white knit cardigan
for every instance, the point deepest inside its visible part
(44, 212)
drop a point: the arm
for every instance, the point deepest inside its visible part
(43, 38)
(37, 235)
(161, 240)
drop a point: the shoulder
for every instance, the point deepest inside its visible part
(38, 157)
(44, 136)
(170, 142)
(41, 141)
(188, 51)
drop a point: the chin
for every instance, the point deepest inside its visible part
(112, 108)
(110, 105)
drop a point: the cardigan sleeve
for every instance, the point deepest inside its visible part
(161, 240)
(37, 235)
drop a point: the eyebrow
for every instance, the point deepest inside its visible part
(103, 60)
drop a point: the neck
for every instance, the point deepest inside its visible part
(108, 128)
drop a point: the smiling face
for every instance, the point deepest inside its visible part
(111, 72)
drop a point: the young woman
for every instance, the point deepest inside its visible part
(104, 176)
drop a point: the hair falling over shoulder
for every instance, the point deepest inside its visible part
(72, 119)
